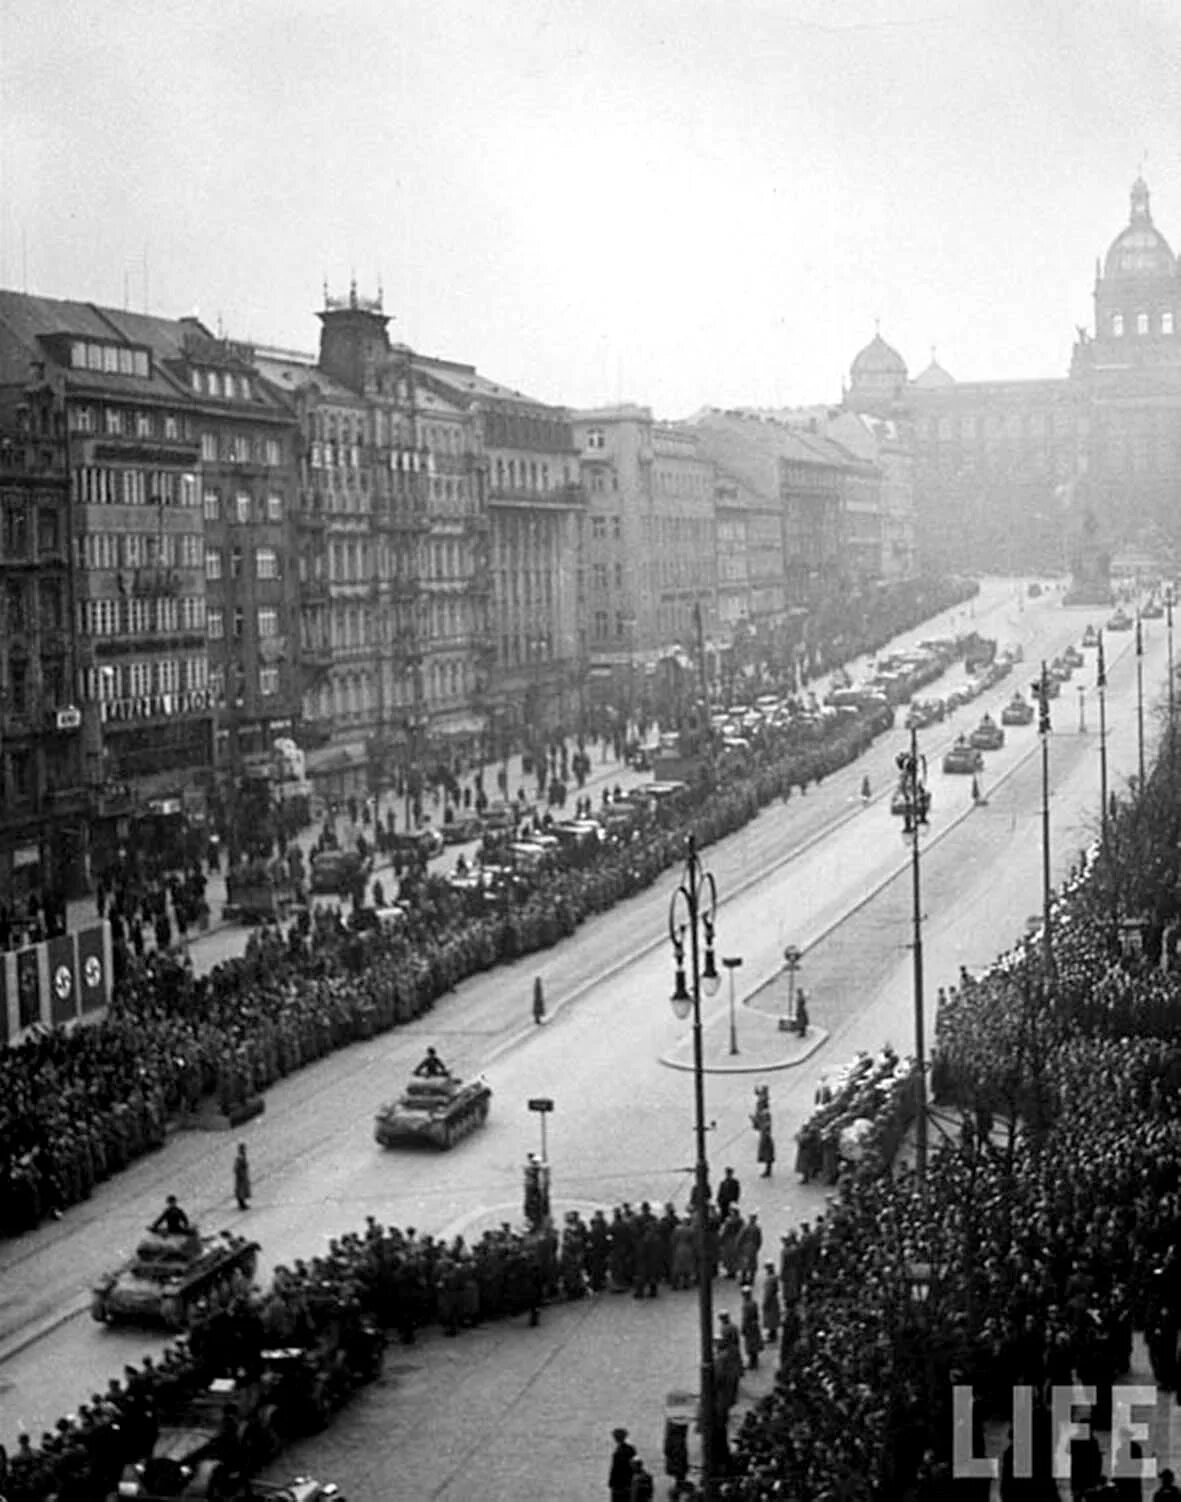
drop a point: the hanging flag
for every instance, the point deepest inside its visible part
(28, 987)
(94, 967)
(63, 978)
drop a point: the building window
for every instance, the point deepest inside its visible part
(143, 420)
(268, 622)
(213, 563)
(268, 681)
(212, 506)
(113, 421)
(215, 620)
(595, 438)
(242, 506)
(272, 452)
(617, 528)
(274, 508)
(266, 563)
(1166, 323)
(600, 625)
(599, 528)
(209, 447)
(1117, 325)
(171, 427)
(1142, 323)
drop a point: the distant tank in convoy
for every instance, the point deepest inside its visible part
(439, 1110)
(168, 1274)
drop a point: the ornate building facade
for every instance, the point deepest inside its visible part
(1009, 474)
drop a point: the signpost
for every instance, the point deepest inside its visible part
(791, 959)
(537, 1170)
(543, 1106)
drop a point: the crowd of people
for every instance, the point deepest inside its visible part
(75, 1107)
(384, 1281)
(1029, 1255)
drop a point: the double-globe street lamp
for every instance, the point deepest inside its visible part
(692, 910)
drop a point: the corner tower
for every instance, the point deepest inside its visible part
(354, 339)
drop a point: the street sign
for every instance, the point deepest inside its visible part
(792, 956)
(541, 1103)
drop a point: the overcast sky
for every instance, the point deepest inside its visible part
(676, 202)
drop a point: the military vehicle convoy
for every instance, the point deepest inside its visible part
(168, 1274)
(440, 1111)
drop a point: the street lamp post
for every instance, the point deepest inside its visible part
(1169, 624)
(1140, 699)
(917, 801)
(1042, 690)
(1082, 710)
(693, 906)
(732, 963)
(1101, 685)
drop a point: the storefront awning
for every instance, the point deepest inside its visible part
(457, 724)
(336, 758)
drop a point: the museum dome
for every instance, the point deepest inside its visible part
(878, 359)
(1140, 250)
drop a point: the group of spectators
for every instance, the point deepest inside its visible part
(172, 1039)
(29, 919)
(1036, 1246)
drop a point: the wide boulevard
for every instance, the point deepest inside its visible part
(822, 872)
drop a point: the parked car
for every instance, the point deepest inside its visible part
(338, 870)
(1074, 657)
(464, 827)
(1120, 621)
(501, 816)
(963, 759)
(1153, 611)
(1090, 637)
(426, 841)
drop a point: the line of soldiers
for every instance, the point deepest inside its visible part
(388, 1279)
(173, 1039)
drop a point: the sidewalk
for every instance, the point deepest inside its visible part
(81, 911)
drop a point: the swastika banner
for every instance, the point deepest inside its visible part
(63, 979)
(94, 962)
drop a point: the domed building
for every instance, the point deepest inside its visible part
(877, 377)
(934, 377)
(1136, 295)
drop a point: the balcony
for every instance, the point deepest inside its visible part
(310, 519)
(560, 498)
(315, 592)
(318, 658)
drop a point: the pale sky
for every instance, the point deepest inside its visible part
(674, 202)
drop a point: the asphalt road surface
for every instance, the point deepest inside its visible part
(821, 872)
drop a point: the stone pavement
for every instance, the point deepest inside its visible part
(604, 773)
(508, 1411)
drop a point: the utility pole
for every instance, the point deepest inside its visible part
(1140, 699)
(1042, 689)
(917, 802)
(1101, 685)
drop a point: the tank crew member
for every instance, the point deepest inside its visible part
(431, 1066)
(172, 1220)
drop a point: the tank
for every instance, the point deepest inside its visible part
(439, 1111)
(168, 1274)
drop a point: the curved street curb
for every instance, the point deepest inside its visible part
(818, 1037)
